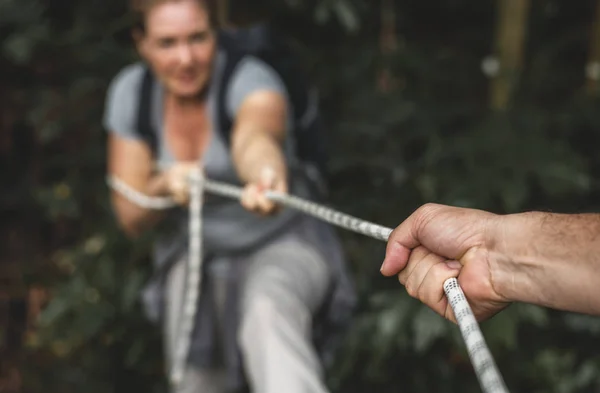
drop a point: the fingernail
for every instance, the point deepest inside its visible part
(382, 265)
(453, 264)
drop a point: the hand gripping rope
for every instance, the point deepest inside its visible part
(484, 365)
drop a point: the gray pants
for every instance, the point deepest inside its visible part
(283, 285)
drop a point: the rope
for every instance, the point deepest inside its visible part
(481, 358)
(324, 213)
(194, 279)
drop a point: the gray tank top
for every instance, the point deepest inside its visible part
(227, 226)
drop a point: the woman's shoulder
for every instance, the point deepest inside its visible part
(128, 79)
(122, 100)
(250, 75)
(252, 67)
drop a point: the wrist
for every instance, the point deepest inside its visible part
(514, 263)
(252, 157)
(252, 168)
(159, 185)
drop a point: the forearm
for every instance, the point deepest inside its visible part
(551, 260)
(135, 219)
(254, 151)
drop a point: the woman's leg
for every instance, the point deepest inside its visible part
(285, 283)
(195, 380)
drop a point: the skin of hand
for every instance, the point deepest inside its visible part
(257, 149)
(440, 242)
(177, 180)
(253, 196)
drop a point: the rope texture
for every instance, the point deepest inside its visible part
(483, 362)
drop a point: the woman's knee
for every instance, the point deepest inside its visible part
(295, 273)
(269, 316)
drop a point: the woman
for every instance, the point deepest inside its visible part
(270, 274)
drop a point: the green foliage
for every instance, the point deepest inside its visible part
(432, 139)
(94, 322)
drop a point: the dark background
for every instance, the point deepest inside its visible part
(413, 118)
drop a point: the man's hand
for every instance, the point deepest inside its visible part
(439, 242)
(253, 196)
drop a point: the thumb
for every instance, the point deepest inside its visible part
(399, 246)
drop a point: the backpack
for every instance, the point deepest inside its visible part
(261, 42)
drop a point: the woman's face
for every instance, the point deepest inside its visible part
(179, 45)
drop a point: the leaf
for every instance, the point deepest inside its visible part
(427, 185)
(54, 311)
(91, 319)
(134, 353)
(295, 4)
(554, 364)
(346, 15)
(18, 48)
(20, 12)
(105, 274)
(501, 330)
(50, 131)
(586, 373)
(581, 323)
(382, 299)
(64, 301)
(536, 315)
(322, 13)
(514, 195)
(427, 326)
(131, 291)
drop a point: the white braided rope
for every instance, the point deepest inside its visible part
(140, 199)
(193, 284)
(483, 362)
(324, 213)
(479, 353)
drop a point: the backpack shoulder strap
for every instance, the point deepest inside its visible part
(144, 123)
(233, 56)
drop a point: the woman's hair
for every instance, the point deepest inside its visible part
(140, 9)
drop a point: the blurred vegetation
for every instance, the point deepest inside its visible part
(410, 122)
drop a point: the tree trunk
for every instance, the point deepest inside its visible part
(388, 45)
(510, 38)
(222, 7)
(592, 71)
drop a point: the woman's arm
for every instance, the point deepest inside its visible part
(129, 158)
(257, 100)
(131, 161)
(258, 135)
(256, 146)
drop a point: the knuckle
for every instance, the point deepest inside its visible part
(402, 277)
(432, 283)
(424, 213)
(423, 295)
(440, 272)
(411, 289)
(428, 207)
(420, 253)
